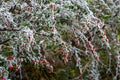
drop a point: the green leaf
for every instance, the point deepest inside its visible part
(118, 37)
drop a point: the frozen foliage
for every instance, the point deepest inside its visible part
(34, 30)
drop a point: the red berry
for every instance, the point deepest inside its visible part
(107, 40)
(16, 69)
(98, 21)
(22, 45)
(70, 52)
(45, 61)
(11, 67)
(8, 26)
(36, 61)
(2, 78)
(75, 36)
(28, 8)
(85, 47)
(52, 29)
(49, 68)
(33, 60)
(76, 42)
(31, 42)
(60, 50)
(10, 58)
(90, 46)
(88, 25)
(102, 36)
(54, 7)
(89, 42)
(97, 58)
(65, 60)
(93, 51)
(51, 6)
(25, 36)
(65, 55)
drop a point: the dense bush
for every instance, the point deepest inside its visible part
(60, 39)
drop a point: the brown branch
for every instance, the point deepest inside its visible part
(4, 29)
(3, 42)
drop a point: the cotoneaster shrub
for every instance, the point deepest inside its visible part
(56, 36)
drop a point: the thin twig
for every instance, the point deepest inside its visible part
(3, 42)
(4, 29)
